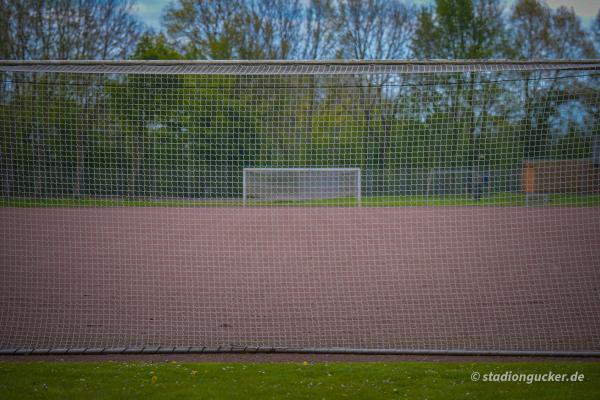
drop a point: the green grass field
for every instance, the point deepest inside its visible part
(406, 380)
(502, 199)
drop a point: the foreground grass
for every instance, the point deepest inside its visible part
(500, 199)
(407, 380)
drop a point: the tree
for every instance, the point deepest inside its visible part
(63, 30)
(530, 29)
(570, 40)
(67, 30)
(596, 32)
(374, 29)
(320, 20)
(272, 29)
(537, 32)
(460, 29)
(155, 47)
(203, 26)
(247, 29)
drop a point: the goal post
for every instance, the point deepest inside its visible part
(334, 186)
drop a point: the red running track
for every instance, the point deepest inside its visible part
(412, 278)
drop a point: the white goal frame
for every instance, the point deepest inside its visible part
(357, 170)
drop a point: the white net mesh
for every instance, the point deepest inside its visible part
(195, 206)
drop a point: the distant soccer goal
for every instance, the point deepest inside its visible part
(452, 181)
(310, 206)
(336, 186)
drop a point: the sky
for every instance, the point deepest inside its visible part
(149, 11)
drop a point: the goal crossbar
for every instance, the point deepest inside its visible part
(290, 67)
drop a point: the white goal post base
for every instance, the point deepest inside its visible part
(301, 184)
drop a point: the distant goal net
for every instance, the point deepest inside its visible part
(325, 206)
(302, 185)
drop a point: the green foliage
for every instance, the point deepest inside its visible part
(460, 29)
(425, 43)
(537, 31)
(258, 29)
(155, 47)
(190, 136)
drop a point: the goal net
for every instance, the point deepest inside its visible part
(186, 206)
(302, 185)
